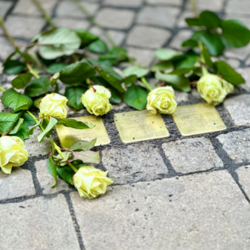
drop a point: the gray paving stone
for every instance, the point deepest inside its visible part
(66, 22)
(46, 180)
(164, 2)
(115, 18)
(239, 53)
(70, 9)
(248, 61)
(181, 23)
(202, 211)
(245, 72)
(117, 36)
(127, 3)
(142, 57)
(239, 109)
(134, 163)
(240, 7)
(4, 7)
(148, 37)
(18, 184)
(192, 155)
(179, 38)
(244, 175)
(244, 19)
(23, 27)
(35, 148)
(213, 5)
(158, 15)
(27, 7)
(181, 96)
(237, 145)
(39, 223)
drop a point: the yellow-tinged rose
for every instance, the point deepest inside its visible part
(162, 99)
(12, 153)
(96, 100)
(214, 89)
(53, 105)
(91, 182)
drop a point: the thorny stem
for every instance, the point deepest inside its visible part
(44, 13)
(146, 84)
(94, 22)
(12, 40)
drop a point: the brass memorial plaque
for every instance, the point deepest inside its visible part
(140, 126)
(198, 119)
(68, 136)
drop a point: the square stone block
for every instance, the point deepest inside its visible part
(40, 223)
(239, 109)
(148, 37)
(237, 145)
(143, 57)
(115, 18)
(244, 176)
(73, 24)
(202, 211)
(134, 163)
(127, 3)
(18, 184)
(192, 155)
(4, 7)
(158, 15)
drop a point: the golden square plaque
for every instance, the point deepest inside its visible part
(198, 119)
(140, 126)
(68, 136)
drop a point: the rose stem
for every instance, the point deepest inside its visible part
(94, 22)
(146, 84)
(204, 69)
(44, 13)
(12, 40)
(2, 89)
(194, 8)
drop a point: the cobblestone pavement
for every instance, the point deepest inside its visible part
(175, 193)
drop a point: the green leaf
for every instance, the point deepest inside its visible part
(207, 58)
(21, 81)
(16, 101)
(136, 97)
(58, 42)
(235, 33)
(168, 54)
(193, 21)
(191, 43)
(130, 79)
(23, 133)
(135, 70)
(209, 19)
(7, 121)
(115, 96)
(181, 71)
(162, 66)
(186, 62)
(178, 82)
(111, 77)
(17, 127)
(87, 156)
(71, 123)
(115, 55)
(31, 130)
(213, 42)
(82, 145)
(86, 37)
(98, 47)
(51, 166)
(228, 73)
(50, 126)
(77, 72)
(13, 67)
(54, 79)
(74, 95)
(38, 87)
(28, 121)
(66, 174)
(56, 67)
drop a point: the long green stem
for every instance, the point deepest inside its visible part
(2, 89)
(146, 84)
(44, 13)
(94, 22)
(72, 167)
(32, 71)
(203, 62)
(194, 8)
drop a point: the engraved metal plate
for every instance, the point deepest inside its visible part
(198, 119)
(140, 126)
(68, 136)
